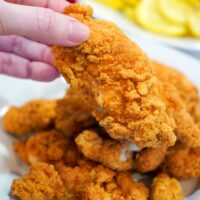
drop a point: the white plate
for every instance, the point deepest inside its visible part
(103, 12)
(15, 91)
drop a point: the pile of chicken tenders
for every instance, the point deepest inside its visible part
(123, 114)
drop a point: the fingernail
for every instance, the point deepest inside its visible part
(79, 33)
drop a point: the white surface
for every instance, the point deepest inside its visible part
(16, 92)
(104, 12)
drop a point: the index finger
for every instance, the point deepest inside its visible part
(56, 5)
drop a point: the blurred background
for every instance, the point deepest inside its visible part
(175, 23)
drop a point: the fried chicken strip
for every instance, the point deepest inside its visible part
(72, 114)
(35, 115)
(186, 89)
(186, 130)
(113, 154)
(41, 183)
(117, 80)
(77, 178)
(150, 159)
(49, 147)
(165, 188)
(123, 188)
(182, 162)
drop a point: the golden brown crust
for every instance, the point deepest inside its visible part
(113, 154)
(186, 130)
(164, 188)
(186, 89)
(41, 183)
(123, 188)
(117, 80)
(150, 159)
(72, 114)
(36, 115)
(182, 162)
(49, 147)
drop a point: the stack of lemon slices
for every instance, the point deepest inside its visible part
(169, 17)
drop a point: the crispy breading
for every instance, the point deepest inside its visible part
(165, 188)
(182, 162)
(186, 89)
(150, 159)
(76, 179)
(124, 187)
(113, 154)
(35, 115)
(42, 182)
(117, 80)
(49, 147)
(72, 114)
(186, 130)
(196, 114)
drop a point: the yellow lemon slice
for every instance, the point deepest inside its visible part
(148, 16)
(174, 10)
(116, 4)
(194, 22)
(132, 2)
(130, 12)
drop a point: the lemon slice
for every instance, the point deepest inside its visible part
(116, 4)
(148, 16)
(130, 12)
(132, 2)
(174, 10)
(194, 22)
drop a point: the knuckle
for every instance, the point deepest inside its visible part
(5, 62)
(45, 20)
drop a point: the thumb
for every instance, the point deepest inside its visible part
(41, 24)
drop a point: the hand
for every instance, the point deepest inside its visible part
(27, 30)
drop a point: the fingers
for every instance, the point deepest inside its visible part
(16, 66)
(41, 24)
(26, 48)
(56, 5)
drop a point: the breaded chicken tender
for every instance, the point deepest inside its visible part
(150, 159)
(77, 178)
(72, 114)
(117, 80)
(48, 147)
(113, 154)
(186, 130)
(124, 187)
(186, 89)
(165, 188)
(182, 162)
(36, 115)
(41, 183)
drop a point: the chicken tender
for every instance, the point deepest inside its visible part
(186, 89)
(36, 115)
(123, 188)
(150, 159)
(182, 162)
(113, 154)
(77, 178)
(44, 182)
(117, 80)
(186, 130)
(41, 183)
(165, 188)
(49, 147)
(72, 114)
